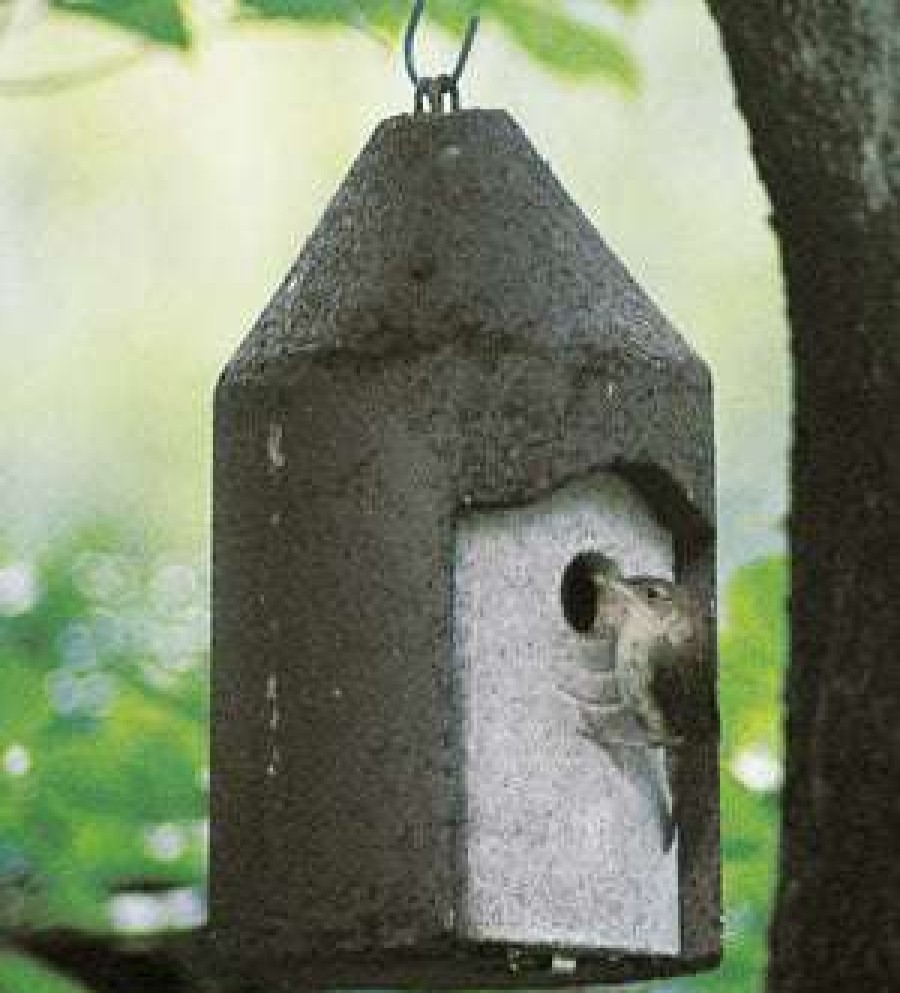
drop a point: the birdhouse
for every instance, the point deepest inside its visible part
(456, 426)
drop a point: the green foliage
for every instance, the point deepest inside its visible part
(548, 30)
(754, 647)
(386, 14)
(160, 21)
(567, 46)
(103, 710)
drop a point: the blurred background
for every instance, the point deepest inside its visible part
(160, 167)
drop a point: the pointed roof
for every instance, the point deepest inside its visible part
(450, 228)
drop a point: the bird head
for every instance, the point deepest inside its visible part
(662, 628)
(679, 685)
(598, 598)
(665, 605)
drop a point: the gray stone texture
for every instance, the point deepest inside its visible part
(455, 337)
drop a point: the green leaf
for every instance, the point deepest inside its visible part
(563, 44)
(754, 651)
(19, 973)
(160, 21)
(626, 6)
(374, 16)
(543, 28)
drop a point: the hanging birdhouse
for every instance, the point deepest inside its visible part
(464, 727)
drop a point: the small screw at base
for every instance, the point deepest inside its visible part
(563, 965)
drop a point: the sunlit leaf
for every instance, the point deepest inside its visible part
(753, 655)
(160, 21)
(546, 29)
(378, 17)
(567, 46)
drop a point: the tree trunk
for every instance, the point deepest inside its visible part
(818, 82)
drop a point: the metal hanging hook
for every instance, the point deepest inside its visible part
(434, 88)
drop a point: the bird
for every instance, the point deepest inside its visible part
(653, 691)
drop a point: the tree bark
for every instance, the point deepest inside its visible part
(818, 82)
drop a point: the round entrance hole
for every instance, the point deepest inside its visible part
(578, 591)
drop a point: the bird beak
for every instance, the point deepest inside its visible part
(607, 585)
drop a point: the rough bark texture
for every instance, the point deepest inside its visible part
(819, 85)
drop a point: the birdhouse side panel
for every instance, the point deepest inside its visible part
(333, 758)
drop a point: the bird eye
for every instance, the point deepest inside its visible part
(654, 591)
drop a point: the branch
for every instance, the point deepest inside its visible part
(113, 964)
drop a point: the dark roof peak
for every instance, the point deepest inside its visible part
(450, 228)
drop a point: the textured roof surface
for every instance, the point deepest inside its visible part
(452, 229)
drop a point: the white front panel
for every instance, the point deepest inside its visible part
(564, 842)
